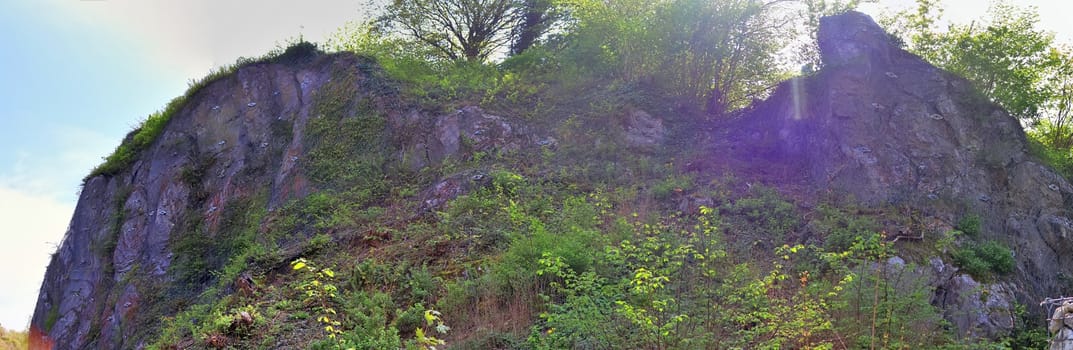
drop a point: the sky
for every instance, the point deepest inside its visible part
(77, 75)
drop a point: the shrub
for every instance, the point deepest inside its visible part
(767, 217)
(1059, 158)
(842, 227)
(983, 260)
(970, 225)
(670, 186)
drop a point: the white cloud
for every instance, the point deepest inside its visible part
(33, 227)
(56, 172)
(196, 35)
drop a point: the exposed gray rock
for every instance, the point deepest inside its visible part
(1061, 327)
(427, 140)
(1063, 340)
(450, 188)
(88, 284)
(887, 128)
(643, 131)
(977, 309)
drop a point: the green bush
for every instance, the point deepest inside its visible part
(506, 182)
(670, 186)
(763, 216)
(842, 227)
(984, 259)
(970, 225)
(366, 322)
(1061, 159)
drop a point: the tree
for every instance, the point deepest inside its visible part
(713, 55)
(457, 29)
(535, 18)
(1055, 129)
(1007, 57)
(722, 52)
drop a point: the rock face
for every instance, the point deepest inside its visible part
(241, 137)
(882, 125)
(877, 123)
(466, 130)
(1061, 327)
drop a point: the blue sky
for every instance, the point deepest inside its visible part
(69, 92)
(77, 75)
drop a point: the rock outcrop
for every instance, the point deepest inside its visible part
(1061, 325)
(884, 126)
(245, 136)
(876, 123)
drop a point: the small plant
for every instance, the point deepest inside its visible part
(970, 225)
(982, 260)
(319, 293)
(506, 182)
(671, 186)
(434, 320)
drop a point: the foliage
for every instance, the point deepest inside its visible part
(201, 257)
(983, 260)
(884, 304)
(456, 29)
(10, 339)
(673, 185)
(970, 225)
(535, 19)
(712, 55)
(52, 316)
(1007, 57)
(767, 217)
(320, 294)
(427, 81)
(137, 140)
(366, 318)
(842, 227)
(434, 321)
(346, 136)
(1055, 155)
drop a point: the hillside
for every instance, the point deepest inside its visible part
(314, 200)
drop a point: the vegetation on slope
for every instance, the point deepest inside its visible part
(13, 340)
(1012, 61)
(570, 245)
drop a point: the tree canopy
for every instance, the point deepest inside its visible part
(1011, 60)
(1007, 56)
(469, 29)
(714, 56)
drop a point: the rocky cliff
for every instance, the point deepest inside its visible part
(876, 123)
(267, 134)
(882, 125)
